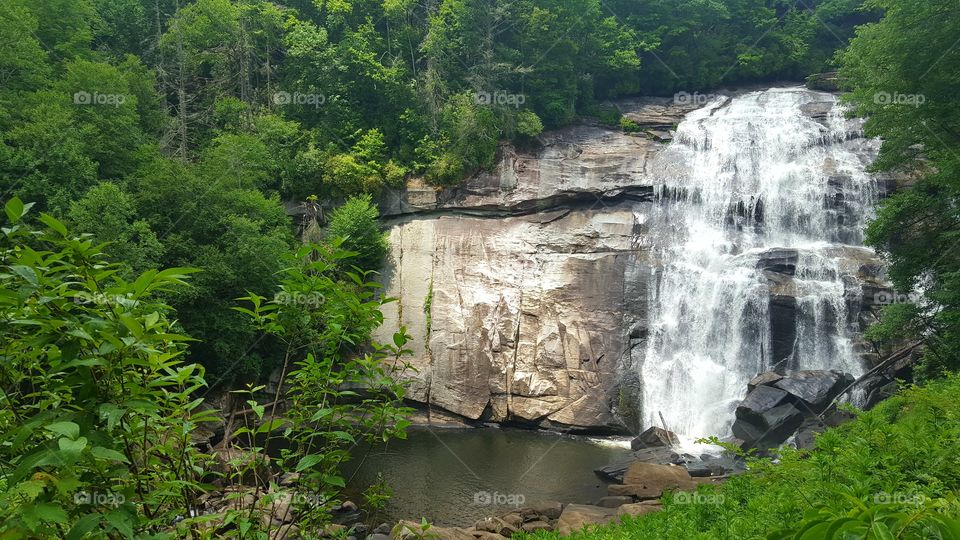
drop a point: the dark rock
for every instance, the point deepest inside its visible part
(382, 528)
(378, 536)
(781, 422)
(697, 468)
(759, 401)
(815, 388)
(764, 379)
(653, 437)
(783, 328)
(781, 261)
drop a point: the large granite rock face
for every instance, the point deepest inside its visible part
(526, 289)
(519, 319)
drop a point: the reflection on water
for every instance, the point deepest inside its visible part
(455, 476)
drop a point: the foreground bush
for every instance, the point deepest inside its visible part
(98, 409)
(892, 473)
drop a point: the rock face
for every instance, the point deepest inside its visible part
(526, 289)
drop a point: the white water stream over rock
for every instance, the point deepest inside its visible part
(749, 182)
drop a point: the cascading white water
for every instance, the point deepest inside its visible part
(744, 176)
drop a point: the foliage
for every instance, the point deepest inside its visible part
(891, 473)
(339, 393)
(97, 401)
(906, 89)
(98, 407)
(355, 224)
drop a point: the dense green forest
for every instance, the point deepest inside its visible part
(150, 151)
(174, 129)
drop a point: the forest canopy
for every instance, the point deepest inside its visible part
(173, 129)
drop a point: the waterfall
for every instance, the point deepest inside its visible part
(759, 196)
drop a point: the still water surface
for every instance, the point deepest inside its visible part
(455, 476)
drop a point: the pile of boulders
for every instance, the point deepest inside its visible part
(778, 405)
(659, 446)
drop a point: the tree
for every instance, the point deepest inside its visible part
(355, 223)
(906, 90)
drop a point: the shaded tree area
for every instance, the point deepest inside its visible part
(906, 87)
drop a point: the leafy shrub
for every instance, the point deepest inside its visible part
(96, 406)
(629, 126)
(355, 223)
(528, 124)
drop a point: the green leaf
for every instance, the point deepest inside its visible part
(308, 461)
(50, 513)
(15, 209)
(72, 446)
(27, 273)
(100, 452)
(83, 526)
(53, 223)
(67, 429)
(121, 521)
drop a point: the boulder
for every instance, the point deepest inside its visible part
(653, 437)
(770, 428)
(759, 401)
(781, 261)
(515, 520)
(550, 509)
(535, 526)
(411, 530)
(496, 526)
(637, 509)
(614, 502)
(764, 379)
(576, 516)
(661, 455)
(815, 388)
(649, 480)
